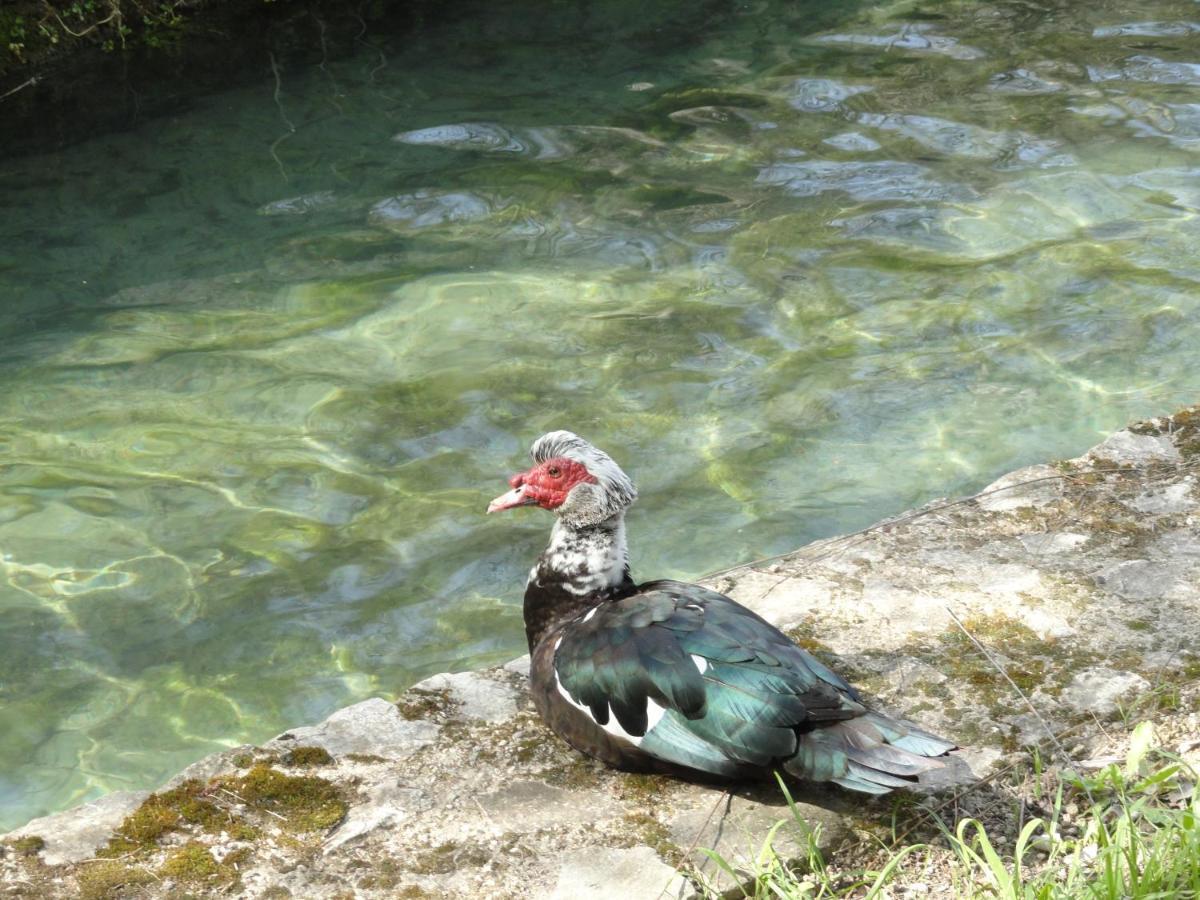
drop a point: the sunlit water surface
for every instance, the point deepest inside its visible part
(264, 363)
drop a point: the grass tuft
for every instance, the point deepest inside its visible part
(1130, 830)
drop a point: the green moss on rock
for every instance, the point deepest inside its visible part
(1183, 426)
(193, 862)
(384, 876)
(29, 845)
(365, 758)
(576, 773)
(306, 803)
(450, 856)
(1027, 665)
(106, 879)
(643, 828)
(642, 790)
(802, 637)
(1190, 667)
(307, 756)
(421, 703)
(165, 812)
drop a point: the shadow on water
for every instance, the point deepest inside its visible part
(91, 90)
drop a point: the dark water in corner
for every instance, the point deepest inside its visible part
(263, 365)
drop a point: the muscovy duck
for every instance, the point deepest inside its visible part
(671, 677)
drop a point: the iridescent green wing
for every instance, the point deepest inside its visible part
(696, 679)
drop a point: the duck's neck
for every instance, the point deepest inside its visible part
(582, 566)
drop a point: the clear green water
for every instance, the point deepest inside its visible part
(796, 273)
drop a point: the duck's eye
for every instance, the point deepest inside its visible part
(554, 471)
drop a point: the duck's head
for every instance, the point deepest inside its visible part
(576, 481)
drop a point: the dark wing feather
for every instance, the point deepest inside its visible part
(758, 690)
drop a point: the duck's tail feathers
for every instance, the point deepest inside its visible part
(872, 754)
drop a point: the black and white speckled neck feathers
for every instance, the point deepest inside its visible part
(581, 568)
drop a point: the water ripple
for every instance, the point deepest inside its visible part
(883, 180)
(915, 38)
(1147, 29)
(1148, 69)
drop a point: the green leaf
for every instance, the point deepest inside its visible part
(1166, 773)
(1140, 743)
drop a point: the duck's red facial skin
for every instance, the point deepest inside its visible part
(549, 483)
(546, 485)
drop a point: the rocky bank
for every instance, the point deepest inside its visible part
(1060, 598)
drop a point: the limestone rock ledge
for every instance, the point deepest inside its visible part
(1081, 580)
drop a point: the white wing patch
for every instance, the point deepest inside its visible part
(701, 663)
(654, 714)
(591, 612)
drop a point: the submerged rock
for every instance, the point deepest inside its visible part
(1149, 69)
(822, 94)
(852, 141)
(914, 38)
(488, 137)
(298, 206)
(865, 181)
(466, 136)
(425, 209)
(966, 140)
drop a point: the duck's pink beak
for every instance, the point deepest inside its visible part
(516, 497)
